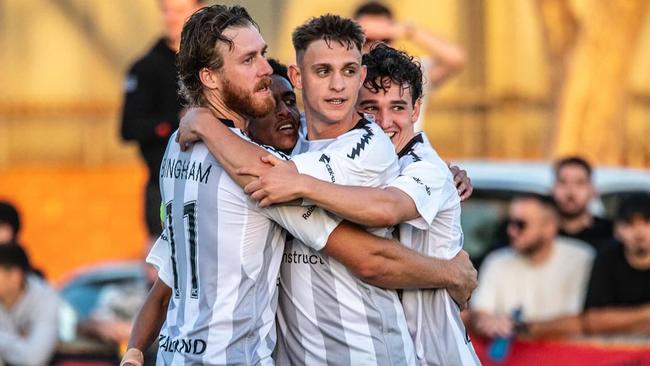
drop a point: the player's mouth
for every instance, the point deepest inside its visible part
(287, 127)
(390, 134)
(336, 102)
(264, 87)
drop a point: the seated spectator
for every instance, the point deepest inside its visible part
(572, 192)
(28, 311)
(543, 275)
(618, 300)
(9, 223)
(117, 306)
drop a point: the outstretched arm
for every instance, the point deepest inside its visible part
(230, 150)
(283, 183)
(389, 207)
(386, 263)
(148, 322)
(448, 58)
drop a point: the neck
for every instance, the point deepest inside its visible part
(317, 129)
(541, 254)
(573, 225)
(220, 110)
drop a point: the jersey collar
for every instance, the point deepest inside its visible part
(417, 138)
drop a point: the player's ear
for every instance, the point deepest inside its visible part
(209, 78)
(295, 76)
(416, 110)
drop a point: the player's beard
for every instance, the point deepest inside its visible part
(244, 102)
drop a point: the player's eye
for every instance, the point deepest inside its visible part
(350, 71)
(370, 109)
(290, 102)
(322, 72)
(398, 108)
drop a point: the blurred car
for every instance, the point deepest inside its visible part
(497, 182)
(81, 292)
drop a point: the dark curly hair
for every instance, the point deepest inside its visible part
(387, 65)
(279, 68)
(198, 49)
(329, 28)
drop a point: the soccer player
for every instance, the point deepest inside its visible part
(322, 302)
(423, 197)
(232, 82)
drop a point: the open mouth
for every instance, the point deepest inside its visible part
(286, 127)
(390, 134)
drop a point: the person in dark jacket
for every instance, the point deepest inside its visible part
(152, 106)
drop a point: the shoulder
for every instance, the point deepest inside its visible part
(574, 248)
(501, 257)
(150, 61)
(367, 141)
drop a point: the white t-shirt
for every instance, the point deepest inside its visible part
(549, 290)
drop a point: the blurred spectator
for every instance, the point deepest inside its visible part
(152, 106)
(618, 300)
(572, 192)
(28, 311)
(542, 274)
(117, 306)
(9, 223)
(443, 58)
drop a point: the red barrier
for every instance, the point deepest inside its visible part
(569, 353)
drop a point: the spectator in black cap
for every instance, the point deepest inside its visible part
(618, 299)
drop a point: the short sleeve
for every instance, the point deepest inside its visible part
(424, 183)
(357, 157)
(160, 257)
(159, 252)
(311, 225)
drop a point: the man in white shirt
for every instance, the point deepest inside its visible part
(540, 273)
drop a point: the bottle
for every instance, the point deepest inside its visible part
(499, 349)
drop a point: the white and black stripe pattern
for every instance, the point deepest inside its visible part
(433, 317)
(326, 315)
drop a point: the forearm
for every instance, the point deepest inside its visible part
(448, 58)
(151, 317)
(568, 326)
(386, 263)
(373, 207)
(233, 152)
(618, 319)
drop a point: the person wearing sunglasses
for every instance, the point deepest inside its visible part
(542, 274)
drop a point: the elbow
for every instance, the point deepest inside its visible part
(459, 60)
(372, 271)
(384, 216)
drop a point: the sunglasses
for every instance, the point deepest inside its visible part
(518, 224)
